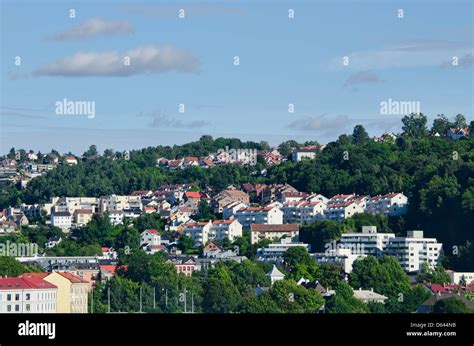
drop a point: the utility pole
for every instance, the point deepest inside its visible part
(192, 302)
(166, 297)
(92, 301)
(141, 294)
(185, 300)
(154, 298)
(108, 298)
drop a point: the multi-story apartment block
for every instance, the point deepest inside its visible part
(343, 210)
(390, 204)
(368, 242)
(114, 202)
(273, 253)
(61, 219)
(225, 229)
(412, 250)
(302, 212)
(150, 237)
(261, 215)
(72, 291)
(202, 232)
(27, 295)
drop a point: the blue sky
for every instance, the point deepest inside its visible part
(190, 61)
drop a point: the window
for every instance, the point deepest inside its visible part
(9, 297)
(9, 308)
(17, 307)
(17, 296)
(28, 307)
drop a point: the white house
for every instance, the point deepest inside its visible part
(262, 215)
(229, 210)
(341, 257)
(273, 253)
(150, 237)
(275, 274)
(27, 295)
(61, 219)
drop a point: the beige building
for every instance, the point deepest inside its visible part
(262, 231)
(72, 291)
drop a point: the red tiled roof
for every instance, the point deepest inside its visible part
(72, 278)
(223, 222)
(28, 282)
(152, 231)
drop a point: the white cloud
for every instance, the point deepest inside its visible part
(94, 27)
(363, 77)
(145, 59)
(403, 54)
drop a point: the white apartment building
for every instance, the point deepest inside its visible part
(261, 215)
(198, 231)
(114, 202)
(27, 295)
(273, 253)
(392, 204)
(225, 229)
(79, 203)
(368, 242)
(341, 211)
(413, 250)
(202, 232)
(303, 212)
(342, 257)
(61, 219)
(116, 217)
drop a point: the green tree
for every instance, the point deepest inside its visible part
(360, 135)
(414, 125)
(451, 305)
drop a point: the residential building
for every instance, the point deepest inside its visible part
(303, 212)
(304, 153)
(27, 295)
(259, 232)
(341, 257)
(368, 242)
(183, 264)
(150, 237)
(341, 211)
(259, 215)
(275, 275)
(412, 250)
(368, 296)
(116, 217)
(461, 277)
(72, 291)
(225, 229)
(198, 231)
(82, 216)
(273, 253)
(61, 219)
(226, 197)
(392, 204)
(458, 133)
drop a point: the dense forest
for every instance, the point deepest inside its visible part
(435, 173)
